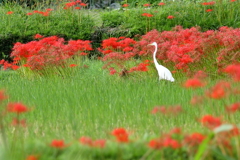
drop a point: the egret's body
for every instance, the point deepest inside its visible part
(163, 72)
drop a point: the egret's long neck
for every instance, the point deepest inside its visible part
(154, 56)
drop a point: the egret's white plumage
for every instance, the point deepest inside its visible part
(163, 72)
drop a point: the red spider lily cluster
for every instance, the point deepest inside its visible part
(233, 107)
(234, 71)
(170, 17)
(210, 121)
(147, 15)
(161, 4)
(47, 52)
(116, 52)
(7, 64)
(147, 5)
(121, 135)
(43, 13)
(187, 46)
(182, 47)
(220, 90)
(57, 143)
(75, 3)
(100, 143)
(142, 67)
(209, 10)
(125, 5)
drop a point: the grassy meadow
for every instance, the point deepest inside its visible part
(92, 103)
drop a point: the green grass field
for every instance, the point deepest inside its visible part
(92, 103)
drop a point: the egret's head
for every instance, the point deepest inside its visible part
(153, 44)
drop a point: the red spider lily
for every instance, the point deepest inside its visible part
(170, 17)
(77, 7)
(32, 157)
(196, 100)
(17, 108)
(3, 96)
(141, 67)
(121, 135)
(234, 71)
(194, 83)
(57, 144)
(233, 108)
(208, 3)
(70, 4)
(72, 65)
(38, 36)
(210, 121)
(15, 67)
(7, 65)
(125, 5)
(83, 4)
(86, 141)
(194, 139)
(161, 4)
(209, 10)
(26, 65)
(172, 143)
(117, 44)
(112, 71)
(219, 91)
(2, 62)
(29, 14)
(17, 122)
(147, 15)
(233, 0)
(46, 13)
(165, 141)
(155, 144)
(9, 12)
(99, 143)
(89, 142)
(147, 5)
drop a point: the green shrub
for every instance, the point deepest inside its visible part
(186, 14)
(20, 27)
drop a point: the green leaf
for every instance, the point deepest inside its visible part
(203, 146)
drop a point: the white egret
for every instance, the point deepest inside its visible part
(163, 72)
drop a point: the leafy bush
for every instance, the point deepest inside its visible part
(164, 16)
(19, 24)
